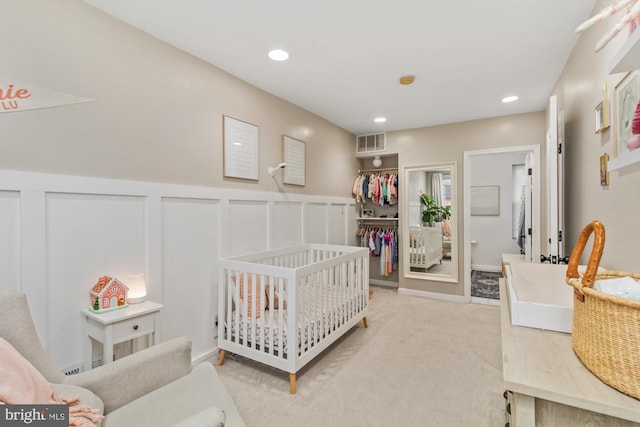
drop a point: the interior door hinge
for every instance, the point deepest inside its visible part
(559, 148)
(529, 231)
(530, 172)
(560, 236)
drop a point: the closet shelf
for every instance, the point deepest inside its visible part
(364, 218)
(376, 170)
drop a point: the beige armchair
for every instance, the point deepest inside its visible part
(153, 387)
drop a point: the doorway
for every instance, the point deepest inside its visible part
(492, 209)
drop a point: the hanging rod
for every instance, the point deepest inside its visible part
(377, 170)
(377, 221)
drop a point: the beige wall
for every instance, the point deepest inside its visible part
(158, 114)
(579, 90)
(447, 143)
(158, 117)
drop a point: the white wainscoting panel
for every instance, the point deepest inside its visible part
(352, 225)
(190, 250)
(337, 225)
(316, 226)
(9, 240)
(287, 224)
(60, 233)
(248, 226)
(88, 236)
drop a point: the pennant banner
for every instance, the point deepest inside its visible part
(16, 96)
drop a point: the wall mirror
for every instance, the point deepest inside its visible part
(429, 222)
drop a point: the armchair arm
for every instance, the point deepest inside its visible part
(126, 379)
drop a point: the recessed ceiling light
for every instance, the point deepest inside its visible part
(380, 119)
(509, 98)
(278, 55)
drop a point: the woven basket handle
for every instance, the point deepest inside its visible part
(597, 228)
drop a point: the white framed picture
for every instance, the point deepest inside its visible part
(294, 156)
(240, 149)
(485, 200)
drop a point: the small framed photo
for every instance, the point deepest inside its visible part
(604, 170)
(602, 116)
(367, 213)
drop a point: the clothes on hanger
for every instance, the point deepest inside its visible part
(380, 188)
(382, 243)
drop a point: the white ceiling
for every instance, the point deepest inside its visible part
(348, 55)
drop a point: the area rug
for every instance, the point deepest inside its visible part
(484, 284)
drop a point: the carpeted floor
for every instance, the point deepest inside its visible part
(421, 362)
(484, 284)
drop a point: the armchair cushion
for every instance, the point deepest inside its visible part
(127, 379)
(16, 326)
(199, 391)
(211, 417)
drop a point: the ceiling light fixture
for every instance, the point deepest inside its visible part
(511, 98)
(407, 80)
(278, 55)
(380, 119)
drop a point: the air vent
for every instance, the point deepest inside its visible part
(371, 143)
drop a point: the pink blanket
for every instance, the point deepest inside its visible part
(21, 383)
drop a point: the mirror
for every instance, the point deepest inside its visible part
(429, 225)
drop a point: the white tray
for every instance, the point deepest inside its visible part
(539, 296)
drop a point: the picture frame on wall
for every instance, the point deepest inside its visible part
(240, 149)
(295, 157)
(485, 200)
(604, 172)
(627, 93)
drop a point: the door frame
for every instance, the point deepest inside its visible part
(535, 188)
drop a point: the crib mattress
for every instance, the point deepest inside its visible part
(323, 301)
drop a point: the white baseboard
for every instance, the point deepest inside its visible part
(432, 295)
(481, 267)
(211, 354)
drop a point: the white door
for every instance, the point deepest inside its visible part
(529, 255)
(555, 184)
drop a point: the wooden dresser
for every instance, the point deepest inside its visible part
(549, 386)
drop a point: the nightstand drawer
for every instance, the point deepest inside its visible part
(133, 328)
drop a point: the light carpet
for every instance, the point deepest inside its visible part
(421, 362)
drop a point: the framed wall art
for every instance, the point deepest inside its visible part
(240, 149)
(626, 94)
(602, 116)
(485, 200)
(294, 157)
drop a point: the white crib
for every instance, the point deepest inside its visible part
(425, 246)
(318, 291)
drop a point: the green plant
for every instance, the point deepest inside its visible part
(433, 212)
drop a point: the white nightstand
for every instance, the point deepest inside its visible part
(113, 327)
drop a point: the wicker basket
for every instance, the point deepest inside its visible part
(606, 328)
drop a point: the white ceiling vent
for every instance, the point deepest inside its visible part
(371, 143)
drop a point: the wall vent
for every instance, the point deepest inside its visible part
(371, 143)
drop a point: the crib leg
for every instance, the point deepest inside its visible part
(223, 353)
(292, 383)
(364, 322)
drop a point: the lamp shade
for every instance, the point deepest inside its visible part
(137, 288)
